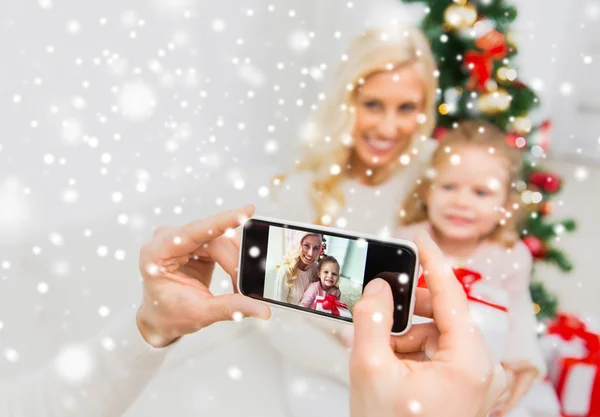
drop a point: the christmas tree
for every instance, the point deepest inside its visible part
(478, 78)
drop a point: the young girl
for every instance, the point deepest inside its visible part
(298, 269)
(468, 204)
(329, 275)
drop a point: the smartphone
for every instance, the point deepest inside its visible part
(323, 271)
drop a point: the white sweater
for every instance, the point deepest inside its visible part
(120, 364)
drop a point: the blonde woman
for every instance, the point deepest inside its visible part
(298, 269)
(370, 138)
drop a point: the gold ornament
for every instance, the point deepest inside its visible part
(443, 109)
(460, 16)
(522, 125)
(494, 102)
(536, 308)
(501, 73)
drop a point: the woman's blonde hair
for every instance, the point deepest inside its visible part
(470, 133)
(292, 258)
(330, 142)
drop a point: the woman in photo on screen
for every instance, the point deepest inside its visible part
(298, 269)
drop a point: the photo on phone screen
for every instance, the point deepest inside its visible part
(321, 270)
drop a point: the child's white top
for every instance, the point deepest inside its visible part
(508, 270)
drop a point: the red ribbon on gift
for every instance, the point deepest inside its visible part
(567, 365)
(332, 304)
(568, 327)
(467, 278)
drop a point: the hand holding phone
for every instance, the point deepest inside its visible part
(322, 271)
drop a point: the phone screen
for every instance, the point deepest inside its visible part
(322, 271)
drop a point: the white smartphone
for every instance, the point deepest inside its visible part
(322, 271)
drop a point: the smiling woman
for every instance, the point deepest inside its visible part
(298, 268)
(369, 133)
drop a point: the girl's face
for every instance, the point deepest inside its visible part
(311, 247)
(388, 106)
(467, 194)
(329, 274)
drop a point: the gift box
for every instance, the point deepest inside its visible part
(575, 368)
(329, 304)
(488, 306)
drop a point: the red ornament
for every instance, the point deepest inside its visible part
(546, 181)
(511, 140)
(440, 132)
(545, 135)
(536, 247)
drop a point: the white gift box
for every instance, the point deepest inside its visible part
(492, 319)
(344, 312)
(578, 389)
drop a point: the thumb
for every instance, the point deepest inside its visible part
(234, 307)
(373, 319)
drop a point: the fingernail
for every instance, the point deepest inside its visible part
(373, 287)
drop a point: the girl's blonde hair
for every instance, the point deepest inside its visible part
(471, 133)
(292, 258)
(330, 142)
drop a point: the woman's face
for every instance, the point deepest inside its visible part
(311, 247)
(388, 106)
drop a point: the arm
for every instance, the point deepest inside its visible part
(281, 288)
(121, 365)
(121, 360)
(309, 296)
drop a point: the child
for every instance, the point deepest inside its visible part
(329, 275)
(468, 204)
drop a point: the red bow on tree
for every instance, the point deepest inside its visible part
(481, 63)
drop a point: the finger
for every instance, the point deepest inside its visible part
(414, 356)
(521, 385)
(234, 307)
(235, 240)
(448, 300)
(423, 306)
(223, 252)
(420, 338)
(180, 260)
(191, 236)
(373, 319)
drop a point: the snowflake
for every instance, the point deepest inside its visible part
(234, 373)
(137, 100)
(103, 311)
(11, 355)
(74, 363)
(414, 406)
